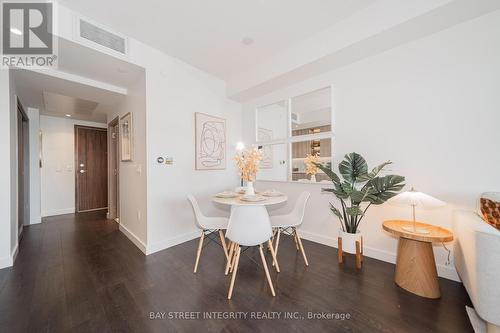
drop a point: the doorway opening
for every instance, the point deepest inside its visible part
(114, 170)
(23, 180)
(91, 171)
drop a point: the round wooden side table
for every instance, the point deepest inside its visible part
(415, 264)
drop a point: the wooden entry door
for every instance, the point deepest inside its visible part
(91, 167)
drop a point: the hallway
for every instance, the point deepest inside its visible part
(80, 274)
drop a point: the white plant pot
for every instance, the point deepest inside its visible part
(249, 190)
(349, 241)
(313, 178)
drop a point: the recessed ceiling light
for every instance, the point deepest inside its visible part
(68, 115)
(16, 31)
(247, 41)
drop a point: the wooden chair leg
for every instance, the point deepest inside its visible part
(362, 249)
(198, 253)
(233, 277)
(339, 251)
(301, 248)
(277, 244)
(230, 257)
(224, 245)
(264, 263)
(358, 254)
(295, 239)
(273, 237)
(231, 266)
(275, 259)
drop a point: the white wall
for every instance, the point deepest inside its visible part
(14, 231)
(34, 165)
(132, 175)
(172, 99)
(432, 107)
(58, 164)
(174, 91)
(5, 176)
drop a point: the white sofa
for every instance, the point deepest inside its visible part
(477, 260)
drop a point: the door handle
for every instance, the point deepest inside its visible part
(82, 171)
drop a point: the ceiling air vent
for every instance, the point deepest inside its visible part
(109, 40)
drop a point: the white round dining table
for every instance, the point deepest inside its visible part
(237, 201)
(257, 206)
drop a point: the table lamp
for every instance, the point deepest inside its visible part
(414, 198)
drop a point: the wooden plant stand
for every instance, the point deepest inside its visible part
(359, 252)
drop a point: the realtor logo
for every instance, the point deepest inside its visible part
(27, 37)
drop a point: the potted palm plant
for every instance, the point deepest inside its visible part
(357, 191)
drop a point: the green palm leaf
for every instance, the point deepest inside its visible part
(381, 189)
(353, 168)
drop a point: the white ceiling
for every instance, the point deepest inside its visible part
(84, 61)
(209, 34)
(87, 84)
(57, 97)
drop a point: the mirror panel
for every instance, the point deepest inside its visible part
(312, 113)
(272, 121)
(273, 165)
(321, 148)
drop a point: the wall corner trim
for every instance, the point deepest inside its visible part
(165, 244)
(133, 238)
(9, 261)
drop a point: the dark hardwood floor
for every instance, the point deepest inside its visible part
(80, 274)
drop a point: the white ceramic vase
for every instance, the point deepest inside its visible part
(349, 241)
(313, 178)
(249, 190)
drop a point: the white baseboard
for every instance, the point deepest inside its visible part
(35, 220)
(13, 255)
(56, 212)
(447, 272)
(165, 244)
(6, 262)
(133, 238)
(9, 261)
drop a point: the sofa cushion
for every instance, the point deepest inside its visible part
(490, 211)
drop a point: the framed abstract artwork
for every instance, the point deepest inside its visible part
(126, 137)
(210, 141)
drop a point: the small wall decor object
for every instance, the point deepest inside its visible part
(210, 137)
(126, 137)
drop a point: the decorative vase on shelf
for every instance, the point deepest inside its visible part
(249, 189)
(313, 178)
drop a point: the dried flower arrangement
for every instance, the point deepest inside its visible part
(247, 162)
(310, 162)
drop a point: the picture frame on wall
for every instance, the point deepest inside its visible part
(210, 141)
(126, 137)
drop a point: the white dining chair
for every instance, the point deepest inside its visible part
(249, 226)
(289, 223)
(208, 226)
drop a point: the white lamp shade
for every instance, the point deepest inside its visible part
(418, 199)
